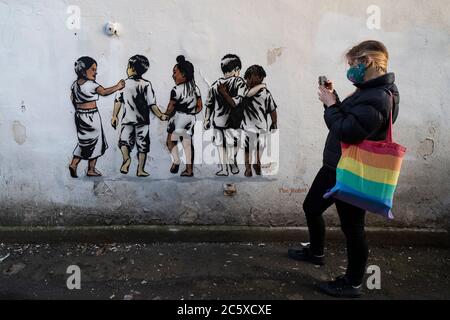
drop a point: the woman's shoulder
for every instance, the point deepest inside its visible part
(376, 96)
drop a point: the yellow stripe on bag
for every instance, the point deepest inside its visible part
(382, 161)
(379, 175)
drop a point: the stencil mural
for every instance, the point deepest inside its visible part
(225, 118)
(135, 100)
(257, 105)
(85, 94)
(185, 103)
(240, 111)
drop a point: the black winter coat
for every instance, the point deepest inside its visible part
(362, 116)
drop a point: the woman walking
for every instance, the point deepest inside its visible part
(364, 115)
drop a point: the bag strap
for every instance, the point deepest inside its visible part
(389, 133)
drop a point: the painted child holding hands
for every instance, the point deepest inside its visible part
(85, 93)
(185, 103)
(136, 101)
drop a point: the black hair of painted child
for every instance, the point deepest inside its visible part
(230, 63)
(255, 70)
(140, 64)
(186, 68)
(82, 65)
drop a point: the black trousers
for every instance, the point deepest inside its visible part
(352, 224)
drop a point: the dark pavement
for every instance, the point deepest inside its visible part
(191, 271)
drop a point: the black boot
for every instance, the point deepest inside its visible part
(341, 288)
(304, 254)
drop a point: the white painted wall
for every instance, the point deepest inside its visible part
(295, 41)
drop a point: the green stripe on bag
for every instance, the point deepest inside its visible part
(374, 189)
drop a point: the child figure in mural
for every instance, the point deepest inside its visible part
(136, 100)
(185, 103)
(85, 93)
(257, 105)
(226, 120)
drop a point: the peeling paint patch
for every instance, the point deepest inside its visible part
(102, 189)
(426, 148)
(273, 54)
(188, 217)
(19, 132)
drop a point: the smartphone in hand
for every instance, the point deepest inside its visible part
(323, 81)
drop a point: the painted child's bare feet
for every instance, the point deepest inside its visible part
(143, 174)
(175, 168)
(125, 168)
(73, 171)
(248, 172)
(94, 173)
(223, 172)
(257, 168)
(188, 172)
(234, 168)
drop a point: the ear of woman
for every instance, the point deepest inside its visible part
(372, 70)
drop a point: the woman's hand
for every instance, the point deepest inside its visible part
(326, 96)
(329, 85)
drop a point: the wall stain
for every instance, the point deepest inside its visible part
(426, 148)
(273, 54)
(101, 189)
(19, 132)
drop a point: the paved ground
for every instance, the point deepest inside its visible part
(209, 271)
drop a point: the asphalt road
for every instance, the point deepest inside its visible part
(217, 271)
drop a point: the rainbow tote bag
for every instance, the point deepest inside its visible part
(367, 174)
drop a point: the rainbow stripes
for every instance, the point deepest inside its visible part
(367, 175)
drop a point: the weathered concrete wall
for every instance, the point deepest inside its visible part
(295, 41)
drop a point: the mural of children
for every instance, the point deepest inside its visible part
(258, 105)
(185, 103)
(224, 124)
(136, 100)
(85, 93)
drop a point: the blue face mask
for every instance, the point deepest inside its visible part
(357, 73)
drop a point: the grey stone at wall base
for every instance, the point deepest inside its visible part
(151, 234)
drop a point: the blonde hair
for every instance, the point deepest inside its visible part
(375, 50)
